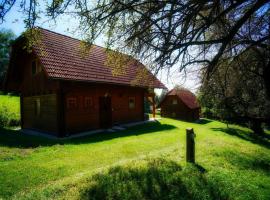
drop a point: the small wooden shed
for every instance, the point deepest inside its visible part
(63, 91)
(180, 103)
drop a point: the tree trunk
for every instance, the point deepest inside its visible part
(266, 75)
(256, 126)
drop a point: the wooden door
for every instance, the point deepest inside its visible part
(105, 112)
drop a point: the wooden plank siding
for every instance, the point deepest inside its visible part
(84, 118)
(30, 84)
(61, 121)
(46, 120)
(179, 110)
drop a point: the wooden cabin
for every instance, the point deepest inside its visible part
(63, 92)
(181, 104)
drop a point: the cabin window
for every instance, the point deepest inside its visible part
(88, 102)
(174, 101)
(131, 102)
(35, 67)
(37, 107)
(71, 103)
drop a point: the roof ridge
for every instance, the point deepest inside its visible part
(181, 89)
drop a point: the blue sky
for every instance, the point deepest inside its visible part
(66, 24)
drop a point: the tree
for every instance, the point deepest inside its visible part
(165, 33)
(159, 98)
(236, 90)
(6, 38)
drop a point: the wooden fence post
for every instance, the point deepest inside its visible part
(190, 145)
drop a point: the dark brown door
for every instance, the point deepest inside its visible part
(105, 112)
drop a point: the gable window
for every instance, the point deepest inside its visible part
(35, 67)
(88, 102)
(71, 103)
(37, 107)
(131, 102)
(174, 101)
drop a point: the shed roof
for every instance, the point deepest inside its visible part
(62, 58)
(188, 98)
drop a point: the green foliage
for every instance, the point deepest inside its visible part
(33, 38)
(9, 111)
(146, 162)
(236, 90)
(54, 7)
(117, 62)
(6, 38)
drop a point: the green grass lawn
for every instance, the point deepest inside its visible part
(9, 110)
(143, 162)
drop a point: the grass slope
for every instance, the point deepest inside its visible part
(143, 162)
(9, 110)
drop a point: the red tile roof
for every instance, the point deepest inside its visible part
(62, 58)
(188, 98)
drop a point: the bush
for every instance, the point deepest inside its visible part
(9, 111)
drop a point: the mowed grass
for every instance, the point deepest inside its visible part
(143, 162)
(9, 110)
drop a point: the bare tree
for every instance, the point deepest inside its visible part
(188, 32)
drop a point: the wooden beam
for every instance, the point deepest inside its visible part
(154, 106)
(151, 98)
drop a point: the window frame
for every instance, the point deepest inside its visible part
(37, 69)
(34, 67)
(134, 103)
(88, 105)
(75, 103)
(37, 105)
(174, 101)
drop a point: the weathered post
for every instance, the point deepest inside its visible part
(190, 148)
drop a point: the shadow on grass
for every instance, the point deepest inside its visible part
(157, 179)
(14, 138)
(203, 121)
(246, 160)
(246, 135)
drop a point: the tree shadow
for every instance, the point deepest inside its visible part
(252, 160)
(203, 121)
(246, 135)
(14, 138)
(200, 168)
(157, 179)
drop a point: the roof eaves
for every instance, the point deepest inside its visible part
(100, 82)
